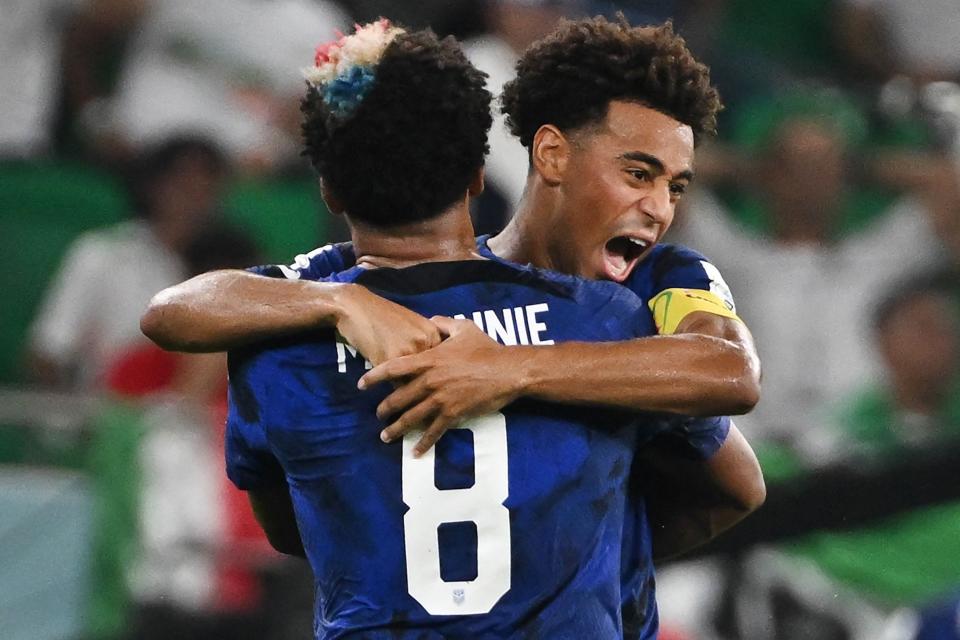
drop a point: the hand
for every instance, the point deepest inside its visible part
(382, 330)
(467, 375)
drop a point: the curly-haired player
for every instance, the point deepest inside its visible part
(569, 78)
(609, 160)
(513, 527)
(365, 153)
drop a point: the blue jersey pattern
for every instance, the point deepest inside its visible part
(667, 266)
(296, 417)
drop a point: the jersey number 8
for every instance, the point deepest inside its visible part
(481, 504)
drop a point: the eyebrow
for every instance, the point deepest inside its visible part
(640, 156)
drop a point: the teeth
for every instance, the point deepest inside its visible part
(638, 242)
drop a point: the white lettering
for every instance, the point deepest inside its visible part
(478, 319)
(536, 327)
(503, 332)
(521, 325)
(342, 349)
(513, 326)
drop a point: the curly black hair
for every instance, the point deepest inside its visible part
(415, 141)
(568, 78)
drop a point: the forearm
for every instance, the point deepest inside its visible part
(678, 528)
(690, 374)
(221, 310)
(693, 502)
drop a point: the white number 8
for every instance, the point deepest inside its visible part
(481, 504)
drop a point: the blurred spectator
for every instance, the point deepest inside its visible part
(227, 68)
(902, 37)
(892, 576)
(198, 569)
(917, 401)
(755, 47)
(514, 24)
(807, 281)
(910, 48)
(92, 308)
(30, 51)
(94, 49)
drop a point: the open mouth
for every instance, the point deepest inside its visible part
(620, 256)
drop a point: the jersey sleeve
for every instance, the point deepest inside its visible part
(315, 265)
(250, 462)
(697, 438)
(684, 281)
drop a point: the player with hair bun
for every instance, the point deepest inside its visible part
(610, 114)
(514, 527)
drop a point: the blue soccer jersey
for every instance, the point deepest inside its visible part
(512, 526)
(671, 281)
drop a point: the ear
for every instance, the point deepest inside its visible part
(550, 154)
(334, 204)
(476, 184)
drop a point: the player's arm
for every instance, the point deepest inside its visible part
(708, 366)
(273, 509)
(222, 310)
(694, 501)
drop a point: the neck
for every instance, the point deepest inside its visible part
(446, 237)
(523, 240)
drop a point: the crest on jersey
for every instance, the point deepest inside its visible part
(718, 286)
(459, 596)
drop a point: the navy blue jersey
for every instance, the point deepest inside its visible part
(668, 269)
(512, 526)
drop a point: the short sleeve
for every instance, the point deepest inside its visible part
(683, 282)
(315, 265)
(250, 462)
(699, 438)
(679, 267)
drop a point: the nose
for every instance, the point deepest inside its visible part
(656, 203)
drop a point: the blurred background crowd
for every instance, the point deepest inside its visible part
(144, 141)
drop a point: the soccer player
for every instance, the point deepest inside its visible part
(635, 91)
(513, 527)
(618, 109)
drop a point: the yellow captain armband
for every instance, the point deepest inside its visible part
(671, 306)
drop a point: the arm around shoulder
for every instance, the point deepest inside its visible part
(224, 309)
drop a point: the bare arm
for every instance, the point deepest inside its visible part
(221, 310)
(274, 511)
(693, 502)
(710, 367)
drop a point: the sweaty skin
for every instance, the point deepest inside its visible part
(708, 367)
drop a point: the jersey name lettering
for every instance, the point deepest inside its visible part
(513, 326)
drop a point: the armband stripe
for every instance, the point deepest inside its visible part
(671, 306)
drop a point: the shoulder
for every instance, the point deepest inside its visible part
(318, 264)
(675, 263)
(674, 266)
